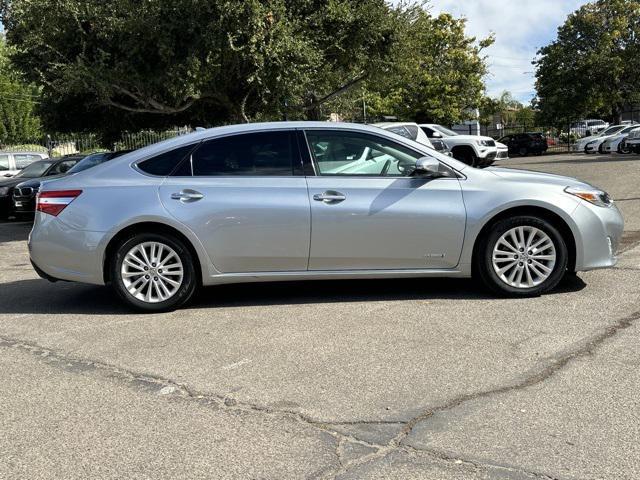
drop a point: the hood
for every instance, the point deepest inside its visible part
(35, 182)
(501, 146)
(468, 137)
(528, 176)
(11, 181)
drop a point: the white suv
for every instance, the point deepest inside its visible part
(12, 162)
(473, 150)
(588, 128)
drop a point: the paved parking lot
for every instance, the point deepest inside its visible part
(372, 379)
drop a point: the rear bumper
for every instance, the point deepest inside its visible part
(63, 253)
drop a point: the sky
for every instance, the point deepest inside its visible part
(521, 27)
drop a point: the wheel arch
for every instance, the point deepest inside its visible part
(552, 217)
(149, 227)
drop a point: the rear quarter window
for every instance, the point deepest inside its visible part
(164, 164)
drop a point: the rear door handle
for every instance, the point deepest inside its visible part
(187, 196)
(330, 196)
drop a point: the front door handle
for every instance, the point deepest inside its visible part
(330, 196)
(187, 196)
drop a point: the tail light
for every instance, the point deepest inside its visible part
(55, 201)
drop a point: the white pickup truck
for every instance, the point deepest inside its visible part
(474, 150)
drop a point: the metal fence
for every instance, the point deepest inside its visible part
(56, 145)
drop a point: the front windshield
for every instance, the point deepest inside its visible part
(612, 130)
(446, 131)
(629, 129)
(35, 170)
(88, 162)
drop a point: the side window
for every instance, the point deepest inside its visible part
(4, 162)
(24, 159)
(353, 153)
(248, 154)
(413, 131)
(400, 130)
(62, 167)
(165, 163)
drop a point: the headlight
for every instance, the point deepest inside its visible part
(591, 195)
(483, 143)
(4, 191)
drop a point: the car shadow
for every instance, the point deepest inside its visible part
(14, 230)
(36, 296)
(580, 161)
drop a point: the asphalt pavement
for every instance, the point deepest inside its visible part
(411, 379)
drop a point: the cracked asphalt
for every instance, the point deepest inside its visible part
(411, 379)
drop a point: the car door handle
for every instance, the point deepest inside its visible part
(330, 196)
(187, 196)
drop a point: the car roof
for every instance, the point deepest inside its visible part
(393, 124)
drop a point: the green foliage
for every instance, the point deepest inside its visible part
(438, 71)
(160, 63)
(507, 111)
(17, 101)
(591, 68)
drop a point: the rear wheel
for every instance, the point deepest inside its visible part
(153, 272)
(523, 151)
(521, 257)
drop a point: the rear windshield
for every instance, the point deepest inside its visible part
(35, 170)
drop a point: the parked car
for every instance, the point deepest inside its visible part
(524, 144)
(632, 142)
(587, 128)
(407, 130)
(596, 145)
(12, 162)
(24, 194)
(473, 150)
(581, 145)
(41, 168)
(615, 142)
(312, 200)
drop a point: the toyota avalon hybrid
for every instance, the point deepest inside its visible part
(312, 200)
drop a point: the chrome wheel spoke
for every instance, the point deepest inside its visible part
(152, 272)
(524, 257)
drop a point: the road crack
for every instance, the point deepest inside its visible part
(163, 386)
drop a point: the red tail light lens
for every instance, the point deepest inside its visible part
(55, 201)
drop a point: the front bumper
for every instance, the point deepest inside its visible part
(600, 234)
(24, 204)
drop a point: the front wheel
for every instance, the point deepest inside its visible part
(521, 257)
(153, 272)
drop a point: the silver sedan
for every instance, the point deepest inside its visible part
(311, 200)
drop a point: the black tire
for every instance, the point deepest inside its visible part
(466, 156)
(184, 292)
(523, 151)
(483, 263)
(600, 149)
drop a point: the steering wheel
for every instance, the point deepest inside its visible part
(385, 168)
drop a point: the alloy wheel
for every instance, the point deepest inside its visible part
(152, 272)
(524, 257)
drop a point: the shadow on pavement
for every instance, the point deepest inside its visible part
(580, 160)
(38, 296)
(14, 231)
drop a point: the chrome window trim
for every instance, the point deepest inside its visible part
(459, 175)
(134, 164)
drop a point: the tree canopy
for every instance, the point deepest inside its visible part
(17, 101)
(135, 64)
(591, 68)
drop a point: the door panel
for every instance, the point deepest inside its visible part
(386, 223)
(238, 194)
(246, 224)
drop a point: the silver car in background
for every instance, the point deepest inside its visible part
(312, 200)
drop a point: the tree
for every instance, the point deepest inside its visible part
(166, 62)
(591, 68)
(507, 111)
(438, 71)
(18, 122)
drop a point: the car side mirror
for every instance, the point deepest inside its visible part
(427, 167)
(436, 135)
